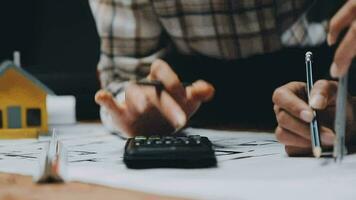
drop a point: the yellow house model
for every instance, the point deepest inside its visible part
(23, 111)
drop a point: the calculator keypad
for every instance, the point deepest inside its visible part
(169, 151)
(167, 140)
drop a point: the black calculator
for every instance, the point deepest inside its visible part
(192, 151)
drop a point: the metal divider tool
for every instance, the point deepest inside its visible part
(52, 163)
(340, 119)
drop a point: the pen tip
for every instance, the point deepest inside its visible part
(317, 152)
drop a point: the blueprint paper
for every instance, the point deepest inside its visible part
(250, 166)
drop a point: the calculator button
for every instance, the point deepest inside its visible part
(149, 139)
(195, 137)
(177, 142)
(154, 137)
(168, 137)
(140, 138)
(137, 144)
(158, 142)
(168, 142)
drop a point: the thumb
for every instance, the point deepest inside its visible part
(323, 94)
(201, 91)
(105, 99)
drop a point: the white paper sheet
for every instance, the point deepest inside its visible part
(250, 166)
(20, 156)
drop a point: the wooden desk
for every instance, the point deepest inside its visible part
(17, 187)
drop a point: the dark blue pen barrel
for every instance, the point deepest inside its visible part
(314, 127)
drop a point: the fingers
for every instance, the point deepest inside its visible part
(189, 99)
(286, 98)
(341, 20)
(289, 138)
(327, 136)
(104, 98)
(297, 151)
(323, 94)
(168, 107)
(136, 100)
(202, 91)
(141, 100)
(171, 105)
(297, 145)
(345, 53)
(302, 129)
(293, 128)
(293, 124)
(119, 112)
(161, 71)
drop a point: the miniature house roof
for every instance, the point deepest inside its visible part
(6, 65)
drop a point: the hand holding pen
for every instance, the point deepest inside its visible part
(160, 104)
(295, 106)
(294, 115)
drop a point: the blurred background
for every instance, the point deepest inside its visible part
(58, 44)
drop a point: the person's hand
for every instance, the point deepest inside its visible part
(346, 51)
(294, 115)
(147, 110)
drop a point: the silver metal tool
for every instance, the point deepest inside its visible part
(52, 163)
(340, 119)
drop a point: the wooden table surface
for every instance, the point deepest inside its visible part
(17, 187)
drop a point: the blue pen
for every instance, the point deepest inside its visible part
(314, 128)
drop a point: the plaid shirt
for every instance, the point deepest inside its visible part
(136, 32)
